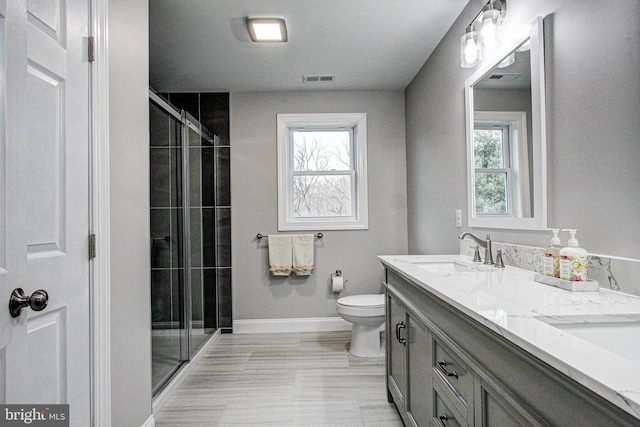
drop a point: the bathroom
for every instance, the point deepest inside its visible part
(417, 171)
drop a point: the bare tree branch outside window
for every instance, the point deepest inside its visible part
(322, 173)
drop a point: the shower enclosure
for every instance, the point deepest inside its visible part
(183, 258)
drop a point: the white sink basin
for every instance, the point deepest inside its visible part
(444, 267)
(620, 335)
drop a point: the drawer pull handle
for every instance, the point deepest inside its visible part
(442, 419)
(399, 337)
(442, 365)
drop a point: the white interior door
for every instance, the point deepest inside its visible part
(44, 203)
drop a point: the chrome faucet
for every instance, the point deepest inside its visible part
(486, 244)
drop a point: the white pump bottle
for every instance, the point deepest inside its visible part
(574, 265)
(551, 258)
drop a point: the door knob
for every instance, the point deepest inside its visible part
(37, 301)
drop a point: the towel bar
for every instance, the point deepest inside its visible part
(260, 236)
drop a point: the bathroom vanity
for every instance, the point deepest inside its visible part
(473, 345)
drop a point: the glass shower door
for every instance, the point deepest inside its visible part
(183, 279)
(202, 296)
(168, 275)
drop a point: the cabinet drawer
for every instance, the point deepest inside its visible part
(443, 416)
(455, 374)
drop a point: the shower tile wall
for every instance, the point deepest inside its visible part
(214, 273)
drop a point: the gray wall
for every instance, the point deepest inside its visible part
(129, 188)
(593, 119)
(506, 100)
(257, 295)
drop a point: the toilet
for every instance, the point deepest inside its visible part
(367, 314)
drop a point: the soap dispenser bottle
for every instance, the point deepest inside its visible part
(551, 257)
(574, 265)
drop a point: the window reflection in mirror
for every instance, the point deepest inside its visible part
(506, 138)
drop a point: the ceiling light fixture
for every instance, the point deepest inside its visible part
(483, 33)
(267, 30)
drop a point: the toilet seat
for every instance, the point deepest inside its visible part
(367, 305)
(366, 300)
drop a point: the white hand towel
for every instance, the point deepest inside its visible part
(303, 246)
(280, 258)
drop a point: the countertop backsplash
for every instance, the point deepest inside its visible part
(615, 273)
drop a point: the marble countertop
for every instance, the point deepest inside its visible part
(592, 337)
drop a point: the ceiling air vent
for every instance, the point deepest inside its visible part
(319, 78)
(505, 77)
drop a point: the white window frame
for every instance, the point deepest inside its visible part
(359, 220)
(518, 197)
(506, 168)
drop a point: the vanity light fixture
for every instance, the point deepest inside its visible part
(267, 30)
(470, 48)
(483, 33)
(490, 21)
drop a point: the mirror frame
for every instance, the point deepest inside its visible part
(538, 221)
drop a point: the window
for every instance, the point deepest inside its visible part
(322, 172)
(493, 170)
(501, 182)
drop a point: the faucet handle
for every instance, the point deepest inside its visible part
(499, 262)
(476, 255)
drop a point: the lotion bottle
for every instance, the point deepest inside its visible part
(551, 257)
(574, 265)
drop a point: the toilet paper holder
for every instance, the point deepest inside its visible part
(338, 273)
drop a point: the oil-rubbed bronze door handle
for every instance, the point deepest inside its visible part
(37, 301)
(399, 337)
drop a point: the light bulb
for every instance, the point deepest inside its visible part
(471, 51)
(489, 31)
(470, 54)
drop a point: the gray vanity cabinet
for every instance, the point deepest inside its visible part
(492, 409)
(408, 369)
(429, 379)
(446, 369)
(418, 372)
(395, 350)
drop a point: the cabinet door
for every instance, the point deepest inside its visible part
(494, 408)
(396, 342)
(443, 415)
(419, 394)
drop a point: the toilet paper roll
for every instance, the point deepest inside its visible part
(337, 283)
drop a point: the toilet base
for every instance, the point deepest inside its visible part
(365, 341)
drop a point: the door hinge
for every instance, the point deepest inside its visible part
(92, 246)
(91, 49)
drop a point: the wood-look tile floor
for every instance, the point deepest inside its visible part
(292, 379)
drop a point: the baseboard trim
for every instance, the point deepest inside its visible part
(306, 324)
(151, 422)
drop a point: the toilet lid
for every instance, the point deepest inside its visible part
(367, 300)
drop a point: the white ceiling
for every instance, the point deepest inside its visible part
(203, 45)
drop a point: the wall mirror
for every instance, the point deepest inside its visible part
(506, 137)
